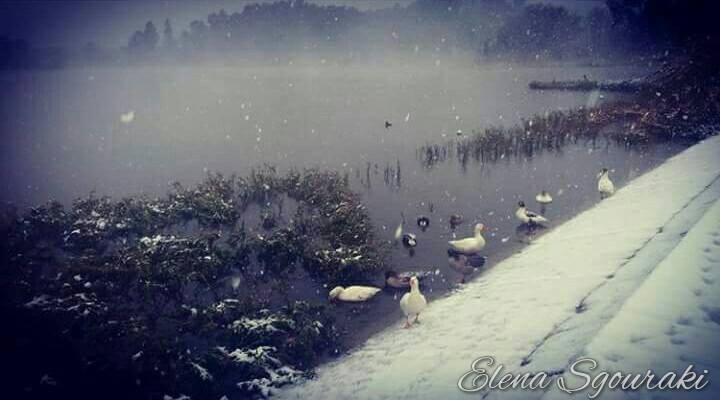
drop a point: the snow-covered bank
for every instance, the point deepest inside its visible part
(536, 310)
(672, 320)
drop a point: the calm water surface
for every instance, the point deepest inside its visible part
(63, 137)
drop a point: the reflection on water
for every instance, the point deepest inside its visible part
(485, 190)
(525, 233)
(122, 131)
(68, 132)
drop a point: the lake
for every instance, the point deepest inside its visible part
(128, 131)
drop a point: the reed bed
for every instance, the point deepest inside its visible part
(619, 124)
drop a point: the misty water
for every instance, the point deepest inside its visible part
(130, 131)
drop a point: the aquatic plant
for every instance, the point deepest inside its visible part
(616, 123)
(167, 295)
(681, 101)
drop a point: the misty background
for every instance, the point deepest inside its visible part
(127, 125)
(55, 34)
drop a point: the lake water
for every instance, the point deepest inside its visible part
(63, 136)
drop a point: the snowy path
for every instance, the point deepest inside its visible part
(541, 307)
(672, 320)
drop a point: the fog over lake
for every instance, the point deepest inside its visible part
(64, 133)
(225, 199)
(122, 131)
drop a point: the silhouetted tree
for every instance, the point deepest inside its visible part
(14, 53)
(168, 38)
(143, 42)
(685, 25)
(539, 31)
(151, 35)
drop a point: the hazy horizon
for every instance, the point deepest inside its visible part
(74, 23)
(109, 24)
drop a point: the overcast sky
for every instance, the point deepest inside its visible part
(110, 23)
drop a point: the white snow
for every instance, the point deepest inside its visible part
(39, 301)
(278, 374)
(544, 306)
(671, 321)
(202, 371)
(259, 325)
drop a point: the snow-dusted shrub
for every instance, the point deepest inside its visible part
(141, 294)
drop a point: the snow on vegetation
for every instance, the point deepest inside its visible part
(165, 285)
(532, 299)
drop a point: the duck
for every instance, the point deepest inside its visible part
(465, 264)
(605, 185)
(470, 245)
(528, 217)
(413, 302)
(543, 197)
(395, 281)
(127, 117)
(409, 240)
(353, 293)
(423, 222)
(456, 219)
(399, 229)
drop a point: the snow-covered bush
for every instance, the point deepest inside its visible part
(142, 294)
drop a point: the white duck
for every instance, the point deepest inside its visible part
(471, 244)
(128, 117)
(544, 197)
(413, 302)
(528, 217)
(353, 293)
(399, 229)
(605, 185)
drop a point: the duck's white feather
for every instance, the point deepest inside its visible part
(605, 185)
(353, 293)
(529, 217)
(471, 244)
(413, 302)
(544, 198)
(399, 230)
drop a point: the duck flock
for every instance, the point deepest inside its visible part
(464, 254)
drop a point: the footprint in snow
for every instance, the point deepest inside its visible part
(634, 339)
(713, 313)
(677, 341)
(613, 357)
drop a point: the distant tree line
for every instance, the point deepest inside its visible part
(18, 54)
(491, 29)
